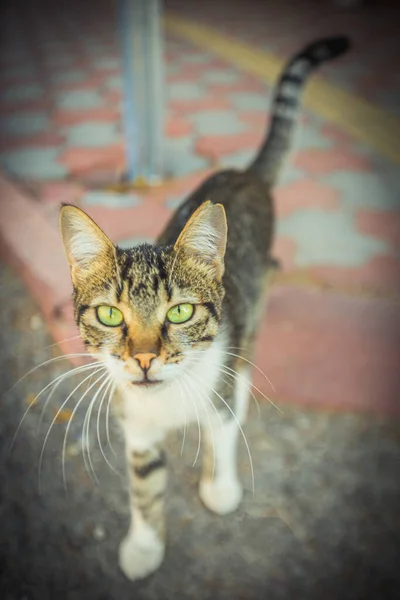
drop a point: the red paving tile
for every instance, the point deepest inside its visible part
(381, 273)
(93, 82)
(39, 140)
(144, 220)
(329, 350)
(177, 127)
(383, 225)
(81, 160)
(305, 193)
(255, 120)
(57, 192)
(285, 250)
(336, 135)
(323, 161)
(74, 117)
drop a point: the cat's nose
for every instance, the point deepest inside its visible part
(144, 359)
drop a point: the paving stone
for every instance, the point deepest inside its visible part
(385, 226)
(73, 76)
(249, 101)
(318, 161)
(17, 72)
(185, 91)
(305, 194)
(107, 62)
(328, 238)
(177, 127)
(237, 160)
(381, 273)
(128, 243)
(173, 202)
(21, 93)
(218, 145)
(221, 77)
(110, 199)
(79, 100)
(189, 107)
(59, 60)
(290, 174)
(22, 124)
(83, 160)
(34, 163)
(92, 134)
(217, 122)
(180, 158)
(193, 58)
(114, 82)
(73, 117)
(345, 346)
(307, 136)
(366, 190)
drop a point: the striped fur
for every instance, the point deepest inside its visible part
(286, 102)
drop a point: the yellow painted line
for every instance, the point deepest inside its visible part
(359, 118)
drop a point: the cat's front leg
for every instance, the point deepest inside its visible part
(220, 488)
(142, 551)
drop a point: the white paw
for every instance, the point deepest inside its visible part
(221, 496)
(139, 558)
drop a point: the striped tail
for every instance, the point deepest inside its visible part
(286, 103)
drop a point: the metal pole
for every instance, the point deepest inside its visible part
(143, 74)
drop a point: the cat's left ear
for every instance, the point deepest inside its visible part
(204, 236)
(86, 246)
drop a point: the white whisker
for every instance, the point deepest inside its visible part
(253, 365)
(257, 390)
(198, 392)
(108, 419)
(60, 379)
(62, 342)
(86, 432)
(184, 407)
(56, 381)
(49, 361)
(51, 426)
(198, 429)
(98, 429)
(72, 418)
(242, 433)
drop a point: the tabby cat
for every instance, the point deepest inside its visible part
(174, 322)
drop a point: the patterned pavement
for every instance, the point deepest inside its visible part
(338, 201)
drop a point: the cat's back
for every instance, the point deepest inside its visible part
(248, 207)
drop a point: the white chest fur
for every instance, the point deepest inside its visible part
(150, 412)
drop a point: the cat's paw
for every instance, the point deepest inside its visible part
(221, 496)
(140, 558)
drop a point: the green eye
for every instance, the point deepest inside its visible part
(109, 315)
(180, 313)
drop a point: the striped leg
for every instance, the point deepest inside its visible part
(142, 551)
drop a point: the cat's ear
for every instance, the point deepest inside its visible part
(85, 244)
(204, 235)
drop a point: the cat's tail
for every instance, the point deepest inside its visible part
(270, 158)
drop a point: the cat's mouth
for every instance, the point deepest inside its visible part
(146, 382)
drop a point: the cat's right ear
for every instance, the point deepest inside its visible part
(86, 245)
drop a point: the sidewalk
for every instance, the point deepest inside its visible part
(331, 336)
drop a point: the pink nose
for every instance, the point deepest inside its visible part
(144, 359)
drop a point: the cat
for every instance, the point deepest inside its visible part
(174, 323)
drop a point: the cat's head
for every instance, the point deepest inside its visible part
(148, 311)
